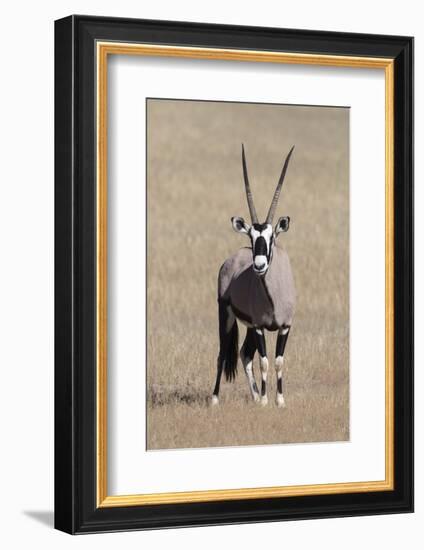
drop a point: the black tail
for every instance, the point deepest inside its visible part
(228, 342)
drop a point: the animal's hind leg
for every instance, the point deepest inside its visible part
(263, 363)
(215, 398)
(228, 347)
(279, 362)
(247, 353)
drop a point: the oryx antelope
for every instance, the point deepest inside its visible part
(256, 286)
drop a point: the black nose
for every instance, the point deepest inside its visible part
(259, 267)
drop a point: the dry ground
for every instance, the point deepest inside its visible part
(195, 185)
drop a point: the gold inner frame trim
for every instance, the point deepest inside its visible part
(103, 50)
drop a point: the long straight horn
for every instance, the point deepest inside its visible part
(249, 195)
(274, 203)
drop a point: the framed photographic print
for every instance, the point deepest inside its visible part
(234, 274)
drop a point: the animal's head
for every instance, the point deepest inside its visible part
(262, 235)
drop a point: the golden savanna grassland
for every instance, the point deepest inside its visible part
(195, 185)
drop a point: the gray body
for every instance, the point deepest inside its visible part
(266, 302)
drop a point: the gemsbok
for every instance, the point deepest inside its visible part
(256, 287)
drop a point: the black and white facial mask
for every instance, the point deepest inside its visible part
(262, 238)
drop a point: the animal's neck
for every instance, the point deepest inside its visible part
(259, 286)
(266, 287)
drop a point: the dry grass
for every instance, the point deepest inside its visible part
(194, 187)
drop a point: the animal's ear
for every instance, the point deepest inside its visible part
(239, 225)
(282, 225)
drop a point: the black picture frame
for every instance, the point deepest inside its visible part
(76, 510)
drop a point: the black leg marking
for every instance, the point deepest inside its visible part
(260, 342)
(280, 385)
(263, 361)
(247, 353)
(279, 361)
(249, 345)
(281, 342)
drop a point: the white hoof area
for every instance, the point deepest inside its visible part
(280, 402)
(256, 397)
(215, 401)
(264, 401)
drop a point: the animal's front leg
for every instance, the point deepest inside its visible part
(263, 363)
(247, 353)
(279, 362)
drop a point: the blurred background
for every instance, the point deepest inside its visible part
(195, 184)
